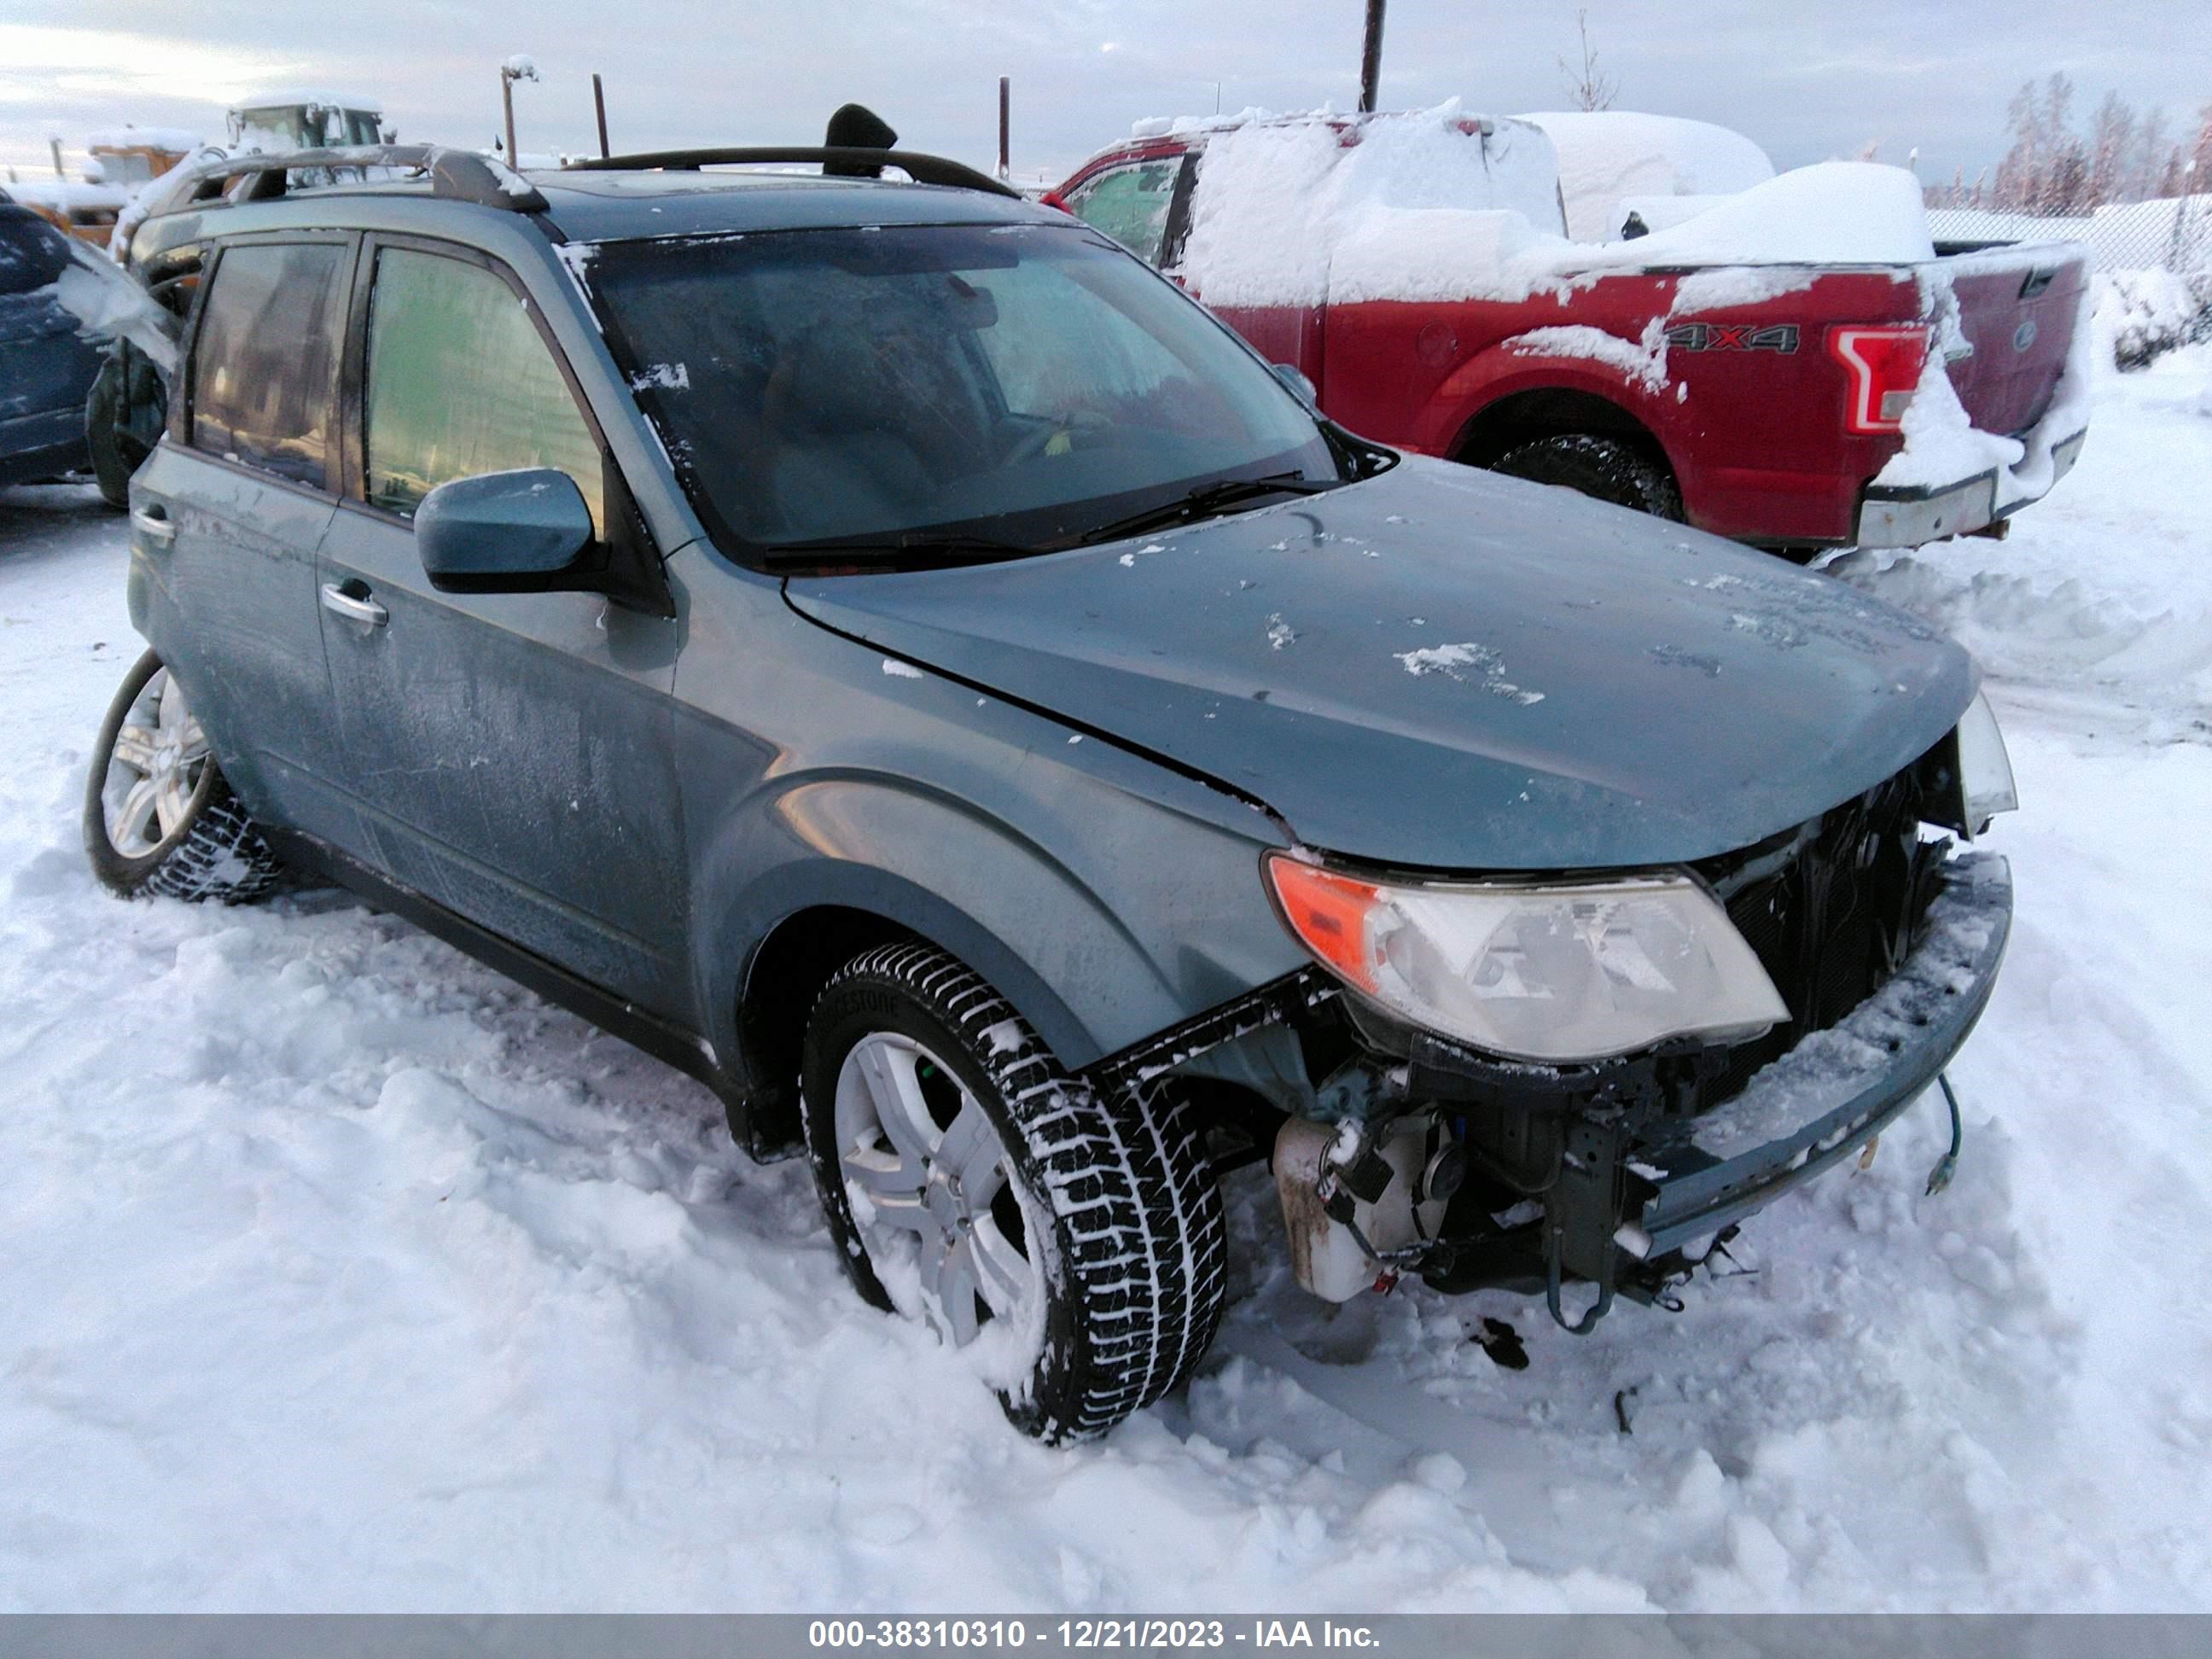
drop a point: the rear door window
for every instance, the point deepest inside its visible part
(460, 382)
(1131, 204)
(265, 359)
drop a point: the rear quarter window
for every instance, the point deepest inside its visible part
(265, 359)
(1131, 204)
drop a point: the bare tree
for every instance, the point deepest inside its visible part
(2152, 151)
(1589, 86)
(2112, 150)
(2020, 174)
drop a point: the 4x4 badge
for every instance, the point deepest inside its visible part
(1733, 337)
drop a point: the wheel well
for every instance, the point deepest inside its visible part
(788, 971)
(1547, 412)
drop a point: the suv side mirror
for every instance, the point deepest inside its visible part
(1295, 378)
(525, 532)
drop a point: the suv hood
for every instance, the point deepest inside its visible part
(1447, 668)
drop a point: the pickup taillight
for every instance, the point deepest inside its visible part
(1884, 365)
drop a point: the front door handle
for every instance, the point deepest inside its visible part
(153, 523)
(355, 606)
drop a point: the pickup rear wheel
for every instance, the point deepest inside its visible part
(1074, 1241)
(1610, 469)
(158, 816)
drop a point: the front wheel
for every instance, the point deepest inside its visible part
(1073, 1241)
(158, 816)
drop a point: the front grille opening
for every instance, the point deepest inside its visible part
(1833, 920)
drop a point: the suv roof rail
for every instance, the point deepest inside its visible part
(854, 159)
(462, 175)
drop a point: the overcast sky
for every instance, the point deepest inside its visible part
(1808, 79)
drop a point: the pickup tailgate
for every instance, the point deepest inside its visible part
(2018, 308)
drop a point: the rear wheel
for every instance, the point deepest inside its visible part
(1609, 469)
(1074, 1241)
(158, 816)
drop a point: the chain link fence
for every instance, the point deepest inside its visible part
(2151, 260)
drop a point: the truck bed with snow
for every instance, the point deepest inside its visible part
(1794, 364)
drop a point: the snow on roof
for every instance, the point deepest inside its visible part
(1605, 154)
(1289, 212)
(175, 140)
(1176, 126)
(295, 98)
(1286, 214)
(62, 195)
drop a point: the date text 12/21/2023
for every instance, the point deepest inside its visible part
(1087, 1634)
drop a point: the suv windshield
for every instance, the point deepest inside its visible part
(984, 389)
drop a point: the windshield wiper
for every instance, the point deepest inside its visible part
(918, 547)
(1205, 500)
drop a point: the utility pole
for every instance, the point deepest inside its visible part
(517, 68)
(1005, 127)
(1370, 59)
(600, 109)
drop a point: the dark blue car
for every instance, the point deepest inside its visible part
(884, 649)
(46, 368)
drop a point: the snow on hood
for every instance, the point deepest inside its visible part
(1450, 669)
(1288, 214)
(1607, 155)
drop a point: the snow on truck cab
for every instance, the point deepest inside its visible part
(1788, 361)
(879, 647)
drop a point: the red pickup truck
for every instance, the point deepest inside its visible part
(1794, 365)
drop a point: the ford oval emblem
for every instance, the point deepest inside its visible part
(2024, 336)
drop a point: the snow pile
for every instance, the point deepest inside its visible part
(1831, 213)
(2141, 314)
(1942, 446)
(1288, 213)
(1643, 361)
(1606, 155)
(2100, 588)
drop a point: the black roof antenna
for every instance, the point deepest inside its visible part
(855, 126)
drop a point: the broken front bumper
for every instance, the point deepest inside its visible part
(1896, 516)
(1836, 1089)
(1638, 1197)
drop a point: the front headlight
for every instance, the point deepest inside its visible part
(1985, 784)
(1559, 973)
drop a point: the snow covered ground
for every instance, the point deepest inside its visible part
(337, 1272)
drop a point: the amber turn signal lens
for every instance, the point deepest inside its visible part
(1328, 913)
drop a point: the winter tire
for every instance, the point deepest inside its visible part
(116, 453)
(158, 816)
(1075, 1238)
(1609, 469)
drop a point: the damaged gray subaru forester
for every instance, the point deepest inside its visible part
(882, 649)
